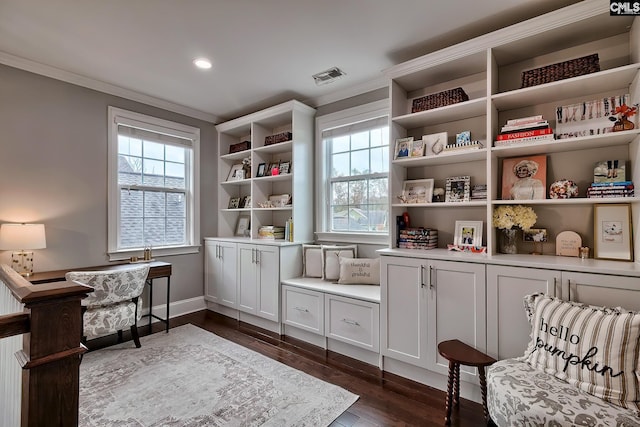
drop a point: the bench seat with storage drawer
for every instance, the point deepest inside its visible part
(331, 315)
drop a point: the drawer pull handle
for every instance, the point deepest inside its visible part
(351, 322)
(301, 309)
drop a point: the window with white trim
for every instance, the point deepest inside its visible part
(355, 172)
(153, 185)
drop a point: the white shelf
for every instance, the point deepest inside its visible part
(575, 201)
(236, 156)
(280, 147)
(462, 110)
(437, 205)
(272, 178)
(457, 156)
(246, 181)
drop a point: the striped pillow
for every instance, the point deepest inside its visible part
(593, 348)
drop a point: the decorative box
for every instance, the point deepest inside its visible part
(240, 146)
(440, 99)
(562, 70)
(278, 137)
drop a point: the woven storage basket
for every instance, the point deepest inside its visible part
(562, 70)
(440, 99)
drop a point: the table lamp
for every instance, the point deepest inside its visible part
(20, 238)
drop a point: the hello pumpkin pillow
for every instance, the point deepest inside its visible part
(593, 348)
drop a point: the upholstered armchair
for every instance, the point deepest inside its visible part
(115, 303)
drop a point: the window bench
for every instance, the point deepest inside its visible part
(340, 318)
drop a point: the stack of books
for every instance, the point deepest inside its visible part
(523, 130)
(418, 238)
(270, 232)
(479, 192)
(603, 190)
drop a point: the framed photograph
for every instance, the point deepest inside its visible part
(434, 144)
(262, 169)
(417, 148)
(242, 227)
(534, 235)
(245, 202)
(234, 203)
(609, 171)
(468, 233)
(236, 172)
(612, 235)
(458, 189)
(524, 178)
(403, 145)
(417, 191)
(285, 167)
(280, 200)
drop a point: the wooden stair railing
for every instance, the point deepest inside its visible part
(51, 325)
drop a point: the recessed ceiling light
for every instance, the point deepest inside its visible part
(202, 63)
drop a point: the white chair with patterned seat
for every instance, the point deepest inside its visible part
(115, 304)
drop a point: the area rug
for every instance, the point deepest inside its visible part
(191, 377)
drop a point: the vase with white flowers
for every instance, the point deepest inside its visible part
(509, 218)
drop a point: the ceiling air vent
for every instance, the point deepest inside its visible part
(328, 76)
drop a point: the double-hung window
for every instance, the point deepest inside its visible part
(153, 185)
(353, 193)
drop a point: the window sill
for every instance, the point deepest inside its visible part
(359, 238)
(159, 252)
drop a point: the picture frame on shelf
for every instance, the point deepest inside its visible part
(242, 225)
(609, 171)
(417, 191)
(280, 200)
(417, 148)
(468, 233)
(463, 137)
(458, 189)
(262, 169)
(534, 235)
(285, 167)
(245, 202)
(524, 178)
(236, 172)
(403, 147)
(612, 233)
(234, 203)
(434, 143)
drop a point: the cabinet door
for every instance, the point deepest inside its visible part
(247, 283)
(403, 314)
(220, 273)
(268, 280)
(508, 330)
(601, 289)
(456, 309)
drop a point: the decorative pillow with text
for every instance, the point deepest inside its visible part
(593, 348)
(365, 271)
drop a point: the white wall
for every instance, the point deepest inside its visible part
(53, 170)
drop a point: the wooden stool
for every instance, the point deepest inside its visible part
(458, 353)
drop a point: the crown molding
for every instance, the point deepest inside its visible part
(348, 92)
(100, 86)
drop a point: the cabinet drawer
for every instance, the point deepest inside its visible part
(353, 321)
(303, 309)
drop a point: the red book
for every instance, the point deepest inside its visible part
(524, 134)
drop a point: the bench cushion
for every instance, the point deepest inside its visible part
(519, 395)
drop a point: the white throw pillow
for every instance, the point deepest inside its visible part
(593, 348)
(331, 259)
(360, 271)
(312, 260)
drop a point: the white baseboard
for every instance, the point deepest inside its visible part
(176, 308)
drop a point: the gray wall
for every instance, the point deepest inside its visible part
(53, 170)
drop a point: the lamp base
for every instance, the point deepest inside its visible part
(22, 262)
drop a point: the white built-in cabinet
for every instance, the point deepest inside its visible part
(426, 301)
(602, 290)
(220, 269)
(489, 69)
(259, 280)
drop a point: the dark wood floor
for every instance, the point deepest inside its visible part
(385, 399)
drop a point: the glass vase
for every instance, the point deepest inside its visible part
(508, 241)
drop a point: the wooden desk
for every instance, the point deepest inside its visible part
(157, 270)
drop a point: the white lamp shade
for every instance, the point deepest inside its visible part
(22, 236)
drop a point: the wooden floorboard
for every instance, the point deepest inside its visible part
(385, 399)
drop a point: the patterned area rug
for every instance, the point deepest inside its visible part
(191, 377)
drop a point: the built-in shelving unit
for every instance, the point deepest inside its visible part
(489, 69)
(293, 117)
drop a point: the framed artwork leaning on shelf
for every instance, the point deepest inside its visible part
(417, 191)
(434, 144)
(458, 189)
(468, 233)
(236, 172)
(285, 167)
(612, 235)
(524, 178)
(234, 203)
(403, 145)
(417, 148)
(262, 169)
(242, 226)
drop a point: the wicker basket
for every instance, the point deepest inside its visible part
(279, 137)
(440, 99)
(561, 70)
